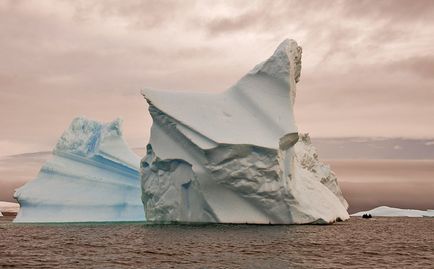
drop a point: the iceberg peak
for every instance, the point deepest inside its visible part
(84, 136)
(249, 106)
(284, 64)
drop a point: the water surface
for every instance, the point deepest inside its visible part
(373, 243)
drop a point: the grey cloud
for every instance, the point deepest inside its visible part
(67, 58)
(140, 14)
(397, 11)
(368, 86)
(229, 24)
(422, 66)
(261, 16)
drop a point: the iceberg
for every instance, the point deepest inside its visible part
(386, 211)
(232, 157)
(237, 156)
(92, 176)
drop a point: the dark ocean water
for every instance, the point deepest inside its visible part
(357, 243)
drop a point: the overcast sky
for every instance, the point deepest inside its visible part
(368, 66)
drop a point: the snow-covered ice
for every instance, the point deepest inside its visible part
(385, 211)
(92, 176)
(236, 156)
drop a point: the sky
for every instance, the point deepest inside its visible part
(367, 66)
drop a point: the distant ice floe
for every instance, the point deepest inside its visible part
(385, 211)
(8, 207)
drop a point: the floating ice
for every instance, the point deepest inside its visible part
(93, 176)
(8, 207)
(233, 157)
(385, 211)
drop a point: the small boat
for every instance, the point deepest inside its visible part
(366, 216)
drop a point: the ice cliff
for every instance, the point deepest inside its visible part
(92, 176)
(236, 156)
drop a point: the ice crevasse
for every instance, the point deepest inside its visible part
(237, 156)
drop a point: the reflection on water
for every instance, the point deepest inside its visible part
(378, 242)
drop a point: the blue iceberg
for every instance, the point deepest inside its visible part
(93, 176)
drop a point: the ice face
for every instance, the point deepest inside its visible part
(93, 176)
(170, 192)
(241, 152)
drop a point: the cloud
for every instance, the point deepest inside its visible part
(422, 66)
(137, 14)
(397, 11)
(15, 147)
(366, 69)
(262, 16)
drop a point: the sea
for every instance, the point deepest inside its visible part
(380, 242)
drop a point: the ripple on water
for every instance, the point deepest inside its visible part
(388, 242)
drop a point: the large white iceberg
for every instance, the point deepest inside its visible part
(386, 211)
(236, 156)
(93, 176)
